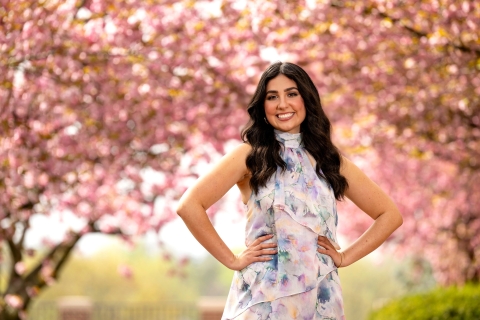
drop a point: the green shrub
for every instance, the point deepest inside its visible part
(440, 304)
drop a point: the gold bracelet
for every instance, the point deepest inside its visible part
(341, 260)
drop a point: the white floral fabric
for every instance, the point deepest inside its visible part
(298, 283)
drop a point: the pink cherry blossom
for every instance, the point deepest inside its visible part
(125, 271)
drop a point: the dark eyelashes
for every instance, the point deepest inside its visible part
(292, 94)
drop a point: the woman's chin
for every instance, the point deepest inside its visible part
(289, 129)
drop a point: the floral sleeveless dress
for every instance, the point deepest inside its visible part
(298, 283)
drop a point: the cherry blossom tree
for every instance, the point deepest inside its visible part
(94, 96)
(400, 80)
(97, 95)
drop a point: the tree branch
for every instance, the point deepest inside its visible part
(80, 5)
(26, 225)
(9, 97)
(15, 253)
(58, 255)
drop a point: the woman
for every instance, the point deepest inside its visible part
(290, 175)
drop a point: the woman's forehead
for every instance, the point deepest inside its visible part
(280, 82)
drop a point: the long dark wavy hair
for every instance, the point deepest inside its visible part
(264, 158)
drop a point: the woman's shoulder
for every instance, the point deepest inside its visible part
(237, 157)
(242, 149)
(347, 167)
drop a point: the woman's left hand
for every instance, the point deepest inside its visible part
(326, 247)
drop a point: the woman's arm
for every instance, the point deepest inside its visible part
(207, 190)
(373, 201)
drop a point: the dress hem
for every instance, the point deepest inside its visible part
(280, 297)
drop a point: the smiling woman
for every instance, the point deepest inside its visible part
(290, 176)
(284, 108)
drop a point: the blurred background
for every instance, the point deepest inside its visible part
(109, 110)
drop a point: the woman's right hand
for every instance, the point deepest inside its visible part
(257, 251)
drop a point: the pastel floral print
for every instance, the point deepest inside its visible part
(298, 283)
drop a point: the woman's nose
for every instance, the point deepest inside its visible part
(281, 103)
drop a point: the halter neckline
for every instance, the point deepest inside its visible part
(289, 140)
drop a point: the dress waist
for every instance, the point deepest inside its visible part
(296, 268)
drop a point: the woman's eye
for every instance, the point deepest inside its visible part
(271, 97)
(293, 94)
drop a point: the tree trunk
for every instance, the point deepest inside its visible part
(35, 280)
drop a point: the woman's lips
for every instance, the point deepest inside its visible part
(285, 116)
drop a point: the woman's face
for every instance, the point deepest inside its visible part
(284, 108)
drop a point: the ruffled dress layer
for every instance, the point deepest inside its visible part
(299, 283)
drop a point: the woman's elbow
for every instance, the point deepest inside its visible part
(181, 209)
(188, 207)
(393, 216)
(398, 218)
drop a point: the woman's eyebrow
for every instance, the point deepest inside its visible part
(288, 89)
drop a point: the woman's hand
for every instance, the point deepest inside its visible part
(326, 247)
(255, 252)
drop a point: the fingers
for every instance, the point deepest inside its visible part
(257, 251)
(323, 251)
(262, 250)
(265, 246)
(265, 249)
(262, 239)
(257, 245)
(265, 252)
(325, 246)
(262, 259)
(324, 242)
